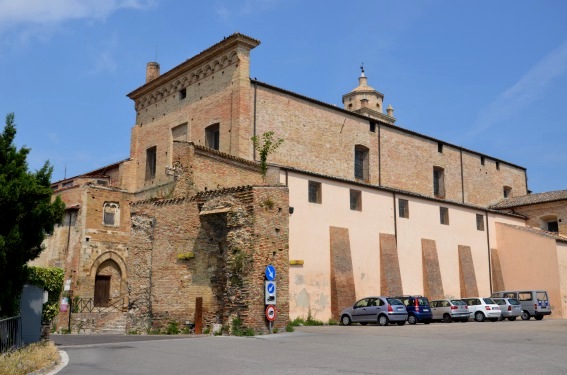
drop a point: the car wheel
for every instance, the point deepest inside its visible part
(479, 317)
(525, 315)
(538, 317)
(512, 318)
(412, 319)
(383, 320)
(345, 320)
(494, 319)
(447, 318)
(363, 323)
(401, 323)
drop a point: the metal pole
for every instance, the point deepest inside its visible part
(70, 311)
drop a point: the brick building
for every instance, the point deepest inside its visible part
(351, 205)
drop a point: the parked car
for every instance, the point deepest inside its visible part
(418, 309)
(511, 308)
(449, 310)
(534, 302)
(381, 310)
(483, 308)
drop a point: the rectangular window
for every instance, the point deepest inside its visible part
(498, 165)
(361, 162)
(439, 147)
(314, 192)
(507, 191)
(212, 136)
(151, 163)
(480, 222)
(355, 200)
(403, 208)
(482, 160)
(439, 182)
(182, 94)
(373, 127)
(444, 215)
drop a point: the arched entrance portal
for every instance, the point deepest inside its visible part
(108, 283)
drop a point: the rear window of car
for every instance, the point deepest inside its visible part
(488, 301)
(541, 296)
(422, 301)
(458, 302)
(513, 301)
(394, 301)
(499, 301)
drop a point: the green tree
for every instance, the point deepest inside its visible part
(27, 214)
(268, 146)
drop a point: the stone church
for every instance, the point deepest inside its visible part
(351, 205)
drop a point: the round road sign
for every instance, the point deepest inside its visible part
(271, 313)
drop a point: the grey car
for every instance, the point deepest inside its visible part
(381, 310)
(449, 310)
(511, 308)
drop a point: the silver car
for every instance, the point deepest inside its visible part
(511, 308)
(381, 310)
(449, 310)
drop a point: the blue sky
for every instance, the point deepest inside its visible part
(490, 76)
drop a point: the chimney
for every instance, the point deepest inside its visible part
(152, 71)
(390, 110)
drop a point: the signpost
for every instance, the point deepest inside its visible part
(270, 294)
(270, 272)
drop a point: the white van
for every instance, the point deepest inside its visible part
(534, 302)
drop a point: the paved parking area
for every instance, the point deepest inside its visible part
(464, 348)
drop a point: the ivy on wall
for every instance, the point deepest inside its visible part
(50, 279)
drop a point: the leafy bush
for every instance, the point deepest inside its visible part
(333, 322)
(238, 329)
(172, 328)
(50, 279)
(289, 328)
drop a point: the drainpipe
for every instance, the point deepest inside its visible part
(462, 177)
(395, 220)
(380, 159)
(489, 252)
(254, 134)
(68, 233)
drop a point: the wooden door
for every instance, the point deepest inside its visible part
(102, 291)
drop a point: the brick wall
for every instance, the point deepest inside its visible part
(467, 275)
(343, 293)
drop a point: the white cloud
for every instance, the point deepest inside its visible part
(529, 88)
(42, 12)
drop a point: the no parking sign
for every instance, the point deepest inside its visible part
(271, 313)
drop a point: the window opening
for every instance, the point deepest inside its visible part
(355, 200)
(182, 94)
(373, 127)
(111, 213)
(403, 208)
(361, 162)
(314, 192)
(212, 136)
(480, 222)
(507, 191)
(444, 215)
(440, 147)
(151, 163)
(439, 182)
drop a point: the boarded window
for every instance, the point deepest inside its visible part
(355, 200)
(212, 136)
(151, 154)
(439, 182)
(479, 222)
(403, 208)
(315, 192)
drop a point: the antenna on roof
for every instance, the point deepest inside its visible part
(65, 173)
(362, 67)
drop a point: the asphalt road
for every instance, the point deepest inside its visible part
(520, 347)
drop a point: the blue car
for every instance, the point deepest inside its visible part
(418, 309)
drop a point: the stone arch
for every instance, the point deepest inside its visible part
(111, 264)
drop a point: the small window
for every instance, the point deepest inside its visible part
(111, 214)
(440, 147)
(373, 127)
(102, 182)
(212, 136)
(403, 208)
(439, 182)
(69, 218)
(482, 160)
(525, 296)
(151, 163)
(507, 191)
(355, 200)
(361, 162)
(314, 192)
(480, 222)
(67, 184)
(444, 215)
(182, 94)
(497, 165)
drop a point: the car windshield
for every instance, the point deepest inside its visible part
(458, 302)
(514, 301)
(394, 301)
(488, 301)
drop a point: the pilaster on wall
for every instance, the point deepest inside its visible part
(390, 276)
(467, 274)
(432, 284)
(343, 293)
(497, 278)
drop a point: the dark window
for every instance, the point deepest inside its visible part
(403, 208)
(553, 226)
(182, 94)
(67, 184)
(439, 182)
(373, 127)
(440, 147)
(151, 163)
(355, 200)
(507, 191)
(102, 182)
(314, 192)
(444, 215)
(482, 160)
(361, 162)
(212, 136)
(479, 222)
(111, 214)
(498, 165)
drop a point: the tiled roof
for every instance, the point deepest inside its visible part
(538, 231)
(525, 200)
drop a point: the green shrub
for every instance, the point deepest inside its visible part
(289, 328)
(333, 322)
(172, 328)
(238, 329)
(50, 279)
(275, 330)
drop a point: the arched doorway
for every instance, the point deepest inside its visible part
(108, 283)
